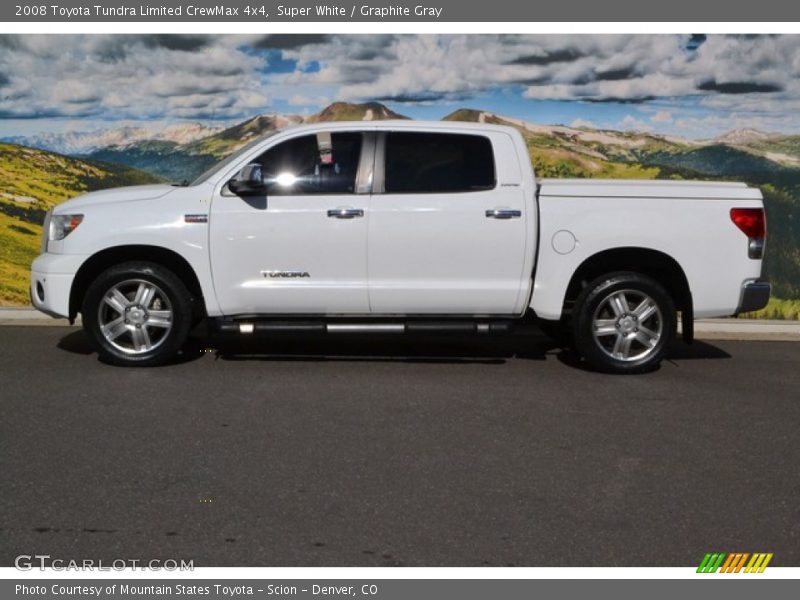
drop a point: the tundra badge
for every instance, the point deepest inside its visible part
(285, 274)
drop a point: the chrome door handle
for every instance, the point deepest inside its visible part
(503, 213)
(345, 213)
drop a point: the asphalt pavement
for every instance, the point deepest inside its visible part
(435, 451)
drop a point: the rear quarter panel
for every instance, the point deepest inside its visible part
(697, 233)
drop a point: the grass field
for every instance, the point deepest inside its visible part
(785, 310)
(19, 245)
(31, 182)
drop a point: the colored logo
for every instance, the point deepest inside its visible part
(734, 562)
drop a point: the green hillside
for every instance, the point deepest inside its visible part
(220, 145)
(31, 182)
(33, 177)
(164, 159)
(558, 151)
(19, 245)
(788, 145)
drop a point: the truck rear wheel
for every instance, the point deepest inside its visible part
(623, 323)
(137, 314)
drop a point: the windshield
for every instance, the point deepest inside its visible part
(225, 163)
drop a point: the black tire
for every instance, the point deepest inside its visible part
(607, 332)
(165, 334)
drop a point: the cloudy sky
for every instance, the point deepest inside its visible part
(694, 86)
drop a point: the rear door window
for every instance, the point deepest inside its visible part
(427, 163)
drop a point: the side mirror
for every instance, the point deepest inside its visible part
(248, 182)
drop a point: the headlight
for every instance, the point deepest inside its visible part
(62, 225)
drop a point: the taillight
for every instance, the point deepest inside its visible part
(753, 223)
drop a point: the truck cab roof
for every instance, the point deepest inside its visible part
(395, 124)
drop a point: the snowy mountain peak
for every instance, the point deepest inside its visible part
(85, 142)
(743, 136)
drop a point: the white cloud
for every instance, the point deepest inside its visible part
(578, 123)
(662, 116)
(127, 77)
(585, 67)
(631, 123)
(739, 79)
(305, 101)
(73, 91)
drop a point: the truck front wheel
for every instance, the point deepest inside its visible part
(623, 323)
(137, 314)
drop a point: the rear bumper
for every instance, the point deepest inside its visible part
(754, 296)
(51, 282)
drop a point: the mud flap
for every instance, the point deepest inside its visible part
(687, 326)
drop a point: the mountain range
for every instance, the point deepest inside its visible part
(184, 161)
(769, 160)
(84, 142)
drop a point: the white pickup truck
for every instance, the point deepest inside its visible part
(401, 226)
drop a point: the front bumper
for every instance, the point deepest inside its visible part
(51, 282)
(754, 296)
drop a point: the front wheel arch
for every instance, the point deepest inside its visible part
(109, 257)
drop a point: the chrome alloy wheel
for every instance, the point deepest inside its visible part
(627, 325)
(135, 316)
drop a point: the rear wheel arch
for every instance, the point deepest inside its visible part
(104, 259)
(653, 263)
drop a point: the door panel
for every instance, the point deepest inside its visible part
(445, 252)
(300, 249)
